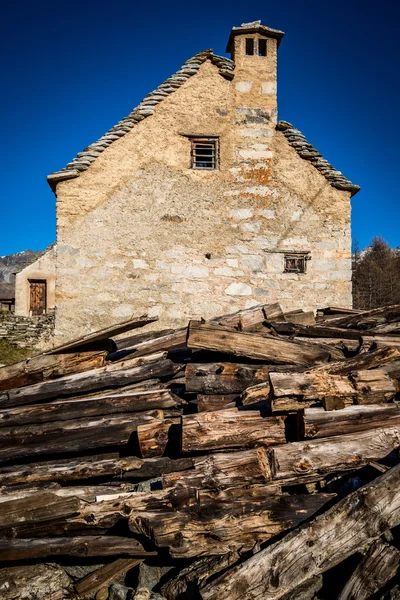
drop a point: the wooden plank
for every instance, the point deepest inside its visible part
(315, 331)
(22, 549)
(42, 367)
(105, 575)
(230, 428)
(270, 349)
(315, 547)
(169, 341)
(223, 378)
(43, 507)
(102, 334)
(379, 564)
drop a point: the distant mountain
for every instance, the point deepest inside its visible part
(15, 262)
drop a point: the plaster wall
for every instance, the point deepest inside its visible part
(139, 231)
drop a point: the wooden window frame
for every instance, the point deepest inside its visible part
(300, 260)
(194, 143)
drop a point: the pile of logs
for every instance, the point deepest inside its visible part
(251, 456)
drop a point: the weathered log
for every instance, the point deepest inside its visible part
(207, 402)
(370, 318)
(334, 391)
(104, 575)
(86, 382)
(68, 410)
(169, 341)
(249, 318)
(316, 331)
(42, 367)
(313, 459)
(230, 428)
(154, 436)
(257, 394)
(223, 378)
(36, 509)
(89, 493)
(373, 386)
(318, 423)
(22, 549)
(156, 467)
(316, 546)
(226, 470)
(229, 520)
(268, 348)
(69, 470)
(70, 436)
(300, 317)
(367, 360)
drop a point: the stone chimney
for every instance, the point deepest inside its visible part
(254, 48)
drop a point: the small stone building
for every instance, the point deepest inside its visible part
(200, 202)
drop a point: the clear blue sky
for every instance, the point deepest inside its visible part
(70, 70)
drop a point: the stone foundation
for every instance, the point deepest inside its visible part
(27, 332)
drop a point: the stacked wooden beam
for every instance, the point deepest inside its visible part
(196, 454)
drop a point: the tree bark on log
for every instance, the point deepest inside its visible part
(270, 349)
(376, 568)
(223, 378)
(230, 428)
(315, 547)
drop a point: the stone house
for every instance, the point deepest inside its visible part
(200, 202)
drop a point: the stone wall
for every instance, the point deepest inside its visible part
(27, 332)
(139, 231)
(44, 268)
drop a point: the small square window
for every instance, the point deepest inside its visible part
(262, 47)
(204, 153)
(249, 46)
(295, 263)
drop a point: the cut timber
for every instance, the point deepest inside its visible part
(300, 317)
(154, 436)
(225, 521)
(333, 389)
(226, 470)
(94, 407)
(86, 382)
(319, 423)
(22, 549)
(249, 318)
(316, 331)
(367, 360)
(230, 428)
(206, 402)
(69, 470)
(313, 459)
(42, 367)
(316, 546)
(376, 568)
(103, 576)
(42, 507)
(103, 335)
(373, 386)
(70, 436)
(251, 345)
(169, 341)
(223, 378)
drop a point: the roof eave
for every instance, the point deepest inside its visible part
(261, 29)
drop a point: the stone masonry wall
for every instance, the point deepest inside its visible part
(27, 332)
(139, 231)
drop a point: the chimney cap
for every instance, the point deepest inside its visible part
(253, 27)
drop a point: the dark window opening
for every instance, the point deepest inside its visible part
(295, 263)
(249, 46)
(204, 153)
(262, 47)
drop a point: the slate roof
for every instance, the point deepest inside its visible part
(307, 151)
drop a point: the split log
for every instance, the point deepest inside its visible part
(270, 349)
(42, 367)
(376, 568)
(223, 378)
(373, 386)
(208, 402)
(86, 382)
(311, 460)
(22, 549)
(155, 435)
(316, 546)
(69, 470)
(230, 520)
(105, 575)
(70, 436)
(227, 470)
(97, 338)
(230, 428)
(334, 391)
(68, 410)
(42, 507)
(318, 423)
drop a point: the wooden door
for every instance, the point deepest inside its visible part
(38, 294)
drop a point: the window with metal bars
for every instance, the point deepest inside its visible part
(204, 153)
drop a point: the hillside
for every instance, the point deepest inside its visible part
(14, 262)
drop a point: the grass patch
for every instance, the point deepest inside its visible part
(10, 353)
